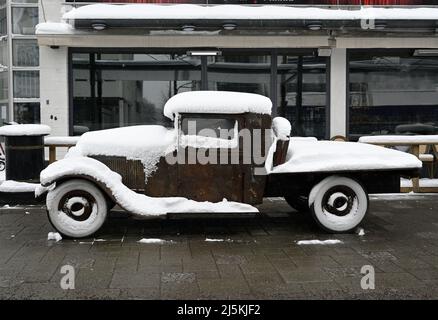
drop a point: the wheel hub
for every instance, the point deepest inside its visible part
(339, 200)
(78, 205)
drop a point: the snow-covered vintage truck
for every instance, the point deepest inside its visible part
(150, 170)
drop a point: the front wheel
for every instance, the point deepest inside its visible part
(76, 208)
(338, 204)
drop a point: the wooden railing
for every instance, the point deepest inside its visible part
(424, 147)
(58, 142)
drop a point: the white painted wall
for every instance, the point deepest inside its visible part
(338, 92)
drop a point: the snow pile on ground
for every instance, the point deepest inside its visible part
(317, 156)
(68, 140)
(53, 28)
(217, 102)
(401, 139)
(320, 242)
(281, 127)
(17, 186)
(360, 232)
(153, 241)
(54, 236)
(129, 200)
(147, 143)
(232, 12)
(24, 130)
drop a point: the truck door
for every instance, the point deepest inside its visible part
(209, 157)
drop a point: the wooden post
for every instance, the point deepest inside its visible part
(415, 149)
(52, 154)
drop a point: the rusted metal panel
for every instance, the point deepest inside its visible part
(132, 171)
(280, 152)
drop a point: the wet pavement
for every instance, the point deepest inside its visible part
(227, 258)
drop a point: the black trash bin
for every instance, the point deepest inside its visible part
(24, 148)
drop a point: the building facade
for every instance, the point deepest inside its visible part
(19, 62)
(328, 76)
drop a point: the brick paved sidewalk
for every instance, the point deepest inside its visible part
(258, 258)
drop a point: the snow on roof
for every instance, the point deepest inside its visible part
(24, 130)
(53, 28)
(217, 102)
(234, 12)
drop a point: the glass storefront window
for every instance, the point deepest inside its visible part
(301, 93)
(27, 112)
(3, 85)
(240, 72)
(26, 84)
(115, 90)
(3, 21)
(25, 53)
(390, 88)
(24, 20)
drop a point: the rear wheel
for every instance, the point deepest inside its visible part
(298, 202)
(338, 204)
(76, 208)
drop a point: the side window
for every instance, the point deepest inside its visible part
(209, 133)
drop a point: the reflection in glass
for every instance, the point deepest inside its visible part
(242, 73)
(27, 112)
(392, 88)
(24, 20)
(26, 84)
(25, 53)
(301, 93)
(114, 90)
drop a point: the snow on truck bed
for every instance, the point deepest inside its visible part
(217, 102)
(131, 201)
(318, 156)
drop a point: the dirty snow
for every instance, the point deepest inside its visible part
(17, 186)
(281, 127)
(129, 200)
(147, 143)
(268, 12)
(24, 130)
(154, 241)
(399, 139)
(217, 102)
(54, 236)
(320, 242)
(314, 156)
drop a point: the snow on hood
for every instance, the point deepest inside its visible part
(314, 156)
(129, 200)
(147, 143)
(217, 102)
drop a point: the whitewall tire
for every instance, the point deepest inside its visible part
(76, 208)
(338, 204)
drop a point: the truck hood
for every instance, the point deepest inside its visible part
(319, 156)
(147, 143)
